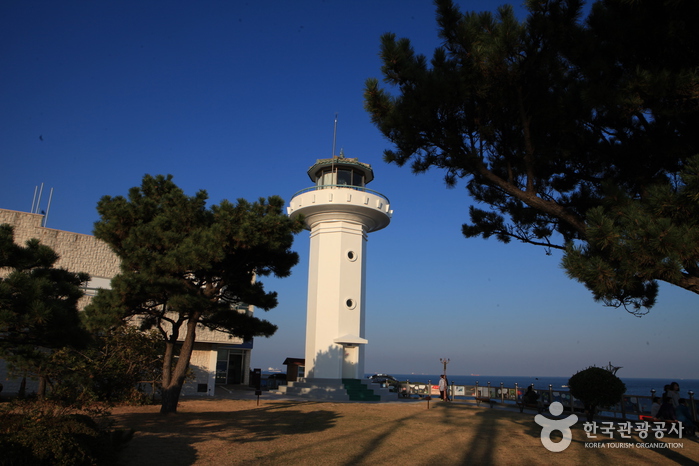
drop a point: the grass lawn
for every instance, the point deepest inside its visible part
(223, 431)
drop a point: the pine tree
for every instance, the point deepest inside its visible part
(38, 307)
(556, 124)
(184, 265)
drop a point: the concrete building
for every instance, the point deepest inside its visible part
(340, 212)
(216, 359)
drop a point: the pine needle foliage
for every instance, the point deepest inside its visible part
(38, 307)
(569, 133)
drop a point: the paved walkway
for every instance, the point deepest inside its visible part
(242, 392)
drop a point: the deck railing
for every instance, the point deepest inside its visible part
(630, 407)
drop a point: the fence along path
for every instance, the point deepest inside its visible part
(631, 406)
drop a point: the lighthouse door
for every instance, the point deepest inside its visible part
(350, 362)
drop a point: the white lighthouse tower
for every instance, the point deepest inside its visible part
(340, 212)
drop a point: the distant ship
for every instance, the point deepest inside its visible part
(476, 375)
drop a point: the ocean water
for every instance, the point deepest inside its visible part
(634, 386)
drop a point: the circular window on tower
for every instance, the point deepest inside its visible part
(350, 303)
(352, 256)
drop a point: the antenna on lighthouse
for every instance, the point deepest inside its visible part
(334, 135)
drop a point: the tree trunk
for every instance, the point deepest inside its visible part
(170, 398)
(172, 390)
(591, 410)
(167, 362)
(22, 388)
(41, 393)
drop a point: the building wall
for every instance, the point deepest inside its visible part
(85, 253)
(78, 252)
(200, 367)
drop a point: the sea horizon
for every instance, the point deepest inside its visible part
(634, 385)
(420, 374)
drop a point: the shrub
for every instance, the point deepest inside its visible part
(41, 433)
(110, 369)
(596, 388)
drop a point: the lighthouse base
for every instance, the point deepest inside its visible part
(338, 390)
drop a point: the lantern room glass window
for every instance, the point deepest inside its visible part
(344, 177)
(340, 177)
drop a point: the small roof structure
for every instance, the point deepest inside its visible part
(341, 161)
(351, 340)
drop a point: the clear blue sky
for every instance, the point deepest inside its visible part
(238, 98)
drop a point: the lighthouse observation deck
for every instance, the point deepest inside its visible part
(340, 195)
(342, 202)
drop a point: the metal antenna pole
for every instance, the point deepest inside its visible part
(36, 188)
(48, 207)
(334, 135)
(38, 201)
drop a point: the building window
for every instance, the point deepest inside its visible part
(230, 366)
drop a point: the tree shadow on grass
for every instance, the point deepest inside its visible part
(171, 439)
(381, 437)
(487, 437)
(633, 454)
